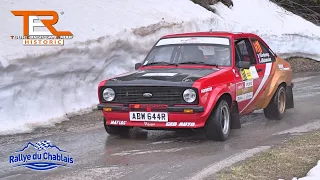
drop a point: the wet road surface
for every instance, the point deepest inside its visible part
(161, 154)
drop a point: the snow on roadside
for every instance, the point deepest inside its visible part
(40, 84)
(44, 87)
(34, 90)
(287, 34)
(98, 20)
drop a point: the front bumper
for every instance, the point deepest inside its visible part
(118, 115)
(119, 108)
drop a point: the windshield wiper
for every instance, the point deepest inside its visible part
(160, 63)
(201, 62)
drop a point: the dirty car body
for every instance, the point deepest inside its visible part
(203, 80)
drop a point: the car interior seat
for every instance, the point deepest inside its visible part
(246, 58)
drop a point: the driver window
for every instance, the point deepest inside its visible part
(244, 51)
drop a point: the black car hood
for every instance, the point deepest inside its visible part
(161, 77)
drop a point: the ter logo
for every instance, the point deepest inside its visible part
(29, 24)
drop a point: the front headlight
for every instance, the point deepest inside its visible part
(108, 94)
(189, 95)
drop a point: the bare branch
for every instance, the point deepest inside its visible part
(306, 9)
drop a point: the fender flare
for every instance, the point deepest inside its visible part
(215, 96)
(222, 92)
(271, 91)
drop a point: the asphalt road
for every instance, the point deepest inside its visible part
(162, 154)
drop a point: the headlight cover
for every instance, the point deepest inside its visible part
(108, 94)
(189, 95)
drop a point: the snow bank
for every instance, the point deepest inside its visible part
(40, 84)
(287, 34)
(97, 20)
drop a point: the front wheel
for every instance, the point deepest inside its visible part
(218, 124)
(277, 106)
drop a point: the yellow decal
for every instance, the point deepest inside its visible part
(246, 74)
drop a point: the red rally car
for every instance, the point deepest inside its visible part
(203, 80)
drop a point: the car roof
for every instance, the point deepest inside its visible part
(213, 33)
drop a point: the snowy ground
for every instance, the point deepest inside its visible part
(40, 84)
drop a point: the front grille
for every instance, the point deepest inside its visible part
(160, 95)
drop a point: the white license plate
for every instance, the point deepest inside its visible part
(149, 116)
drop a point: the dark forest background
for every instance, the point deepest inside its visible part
(307, 9)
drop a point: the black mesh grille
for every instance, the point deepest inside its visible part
(160, 95)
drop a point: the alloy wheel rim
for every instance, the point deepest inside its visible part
(282, 101)
(225, 119)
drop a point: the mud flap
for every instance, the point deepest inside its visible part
(289, 97)
(235, 118)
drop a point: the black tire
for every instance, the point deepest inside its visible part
(289, 100)
(217, 127)
(115, 130)
(277, 106)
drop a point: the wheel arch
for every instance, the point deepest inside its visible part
(275, 90)
(215, 100)
(234, 111)
(226, 96)
(272, 89)
(282, 84)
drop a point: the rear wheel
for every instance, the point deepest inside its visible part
(115, 130)
(218, 124)
(277, 106)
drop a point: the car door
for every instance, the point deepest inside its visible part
(248, 80)
(265, 59)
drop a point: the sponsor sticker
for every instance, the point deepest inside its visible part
(187, 124)
(208, 89)
(181, 124)
(191, 40)
(257, 46)
(254, 72)
(194, 40)
(246, 74)
(171, 124)
(149, 124)
(281, 67)
(244, 90)
(118, 122)
(264, 57)
(248, 83)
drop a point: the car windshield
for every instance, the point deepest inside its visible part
(204, 54)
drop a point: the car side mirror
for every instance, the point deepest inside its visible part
(244, 64)
(137, 65)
